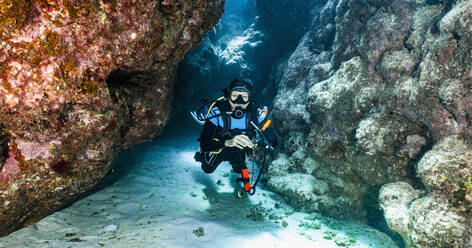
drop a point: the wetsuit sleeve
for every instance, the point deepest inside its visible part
(269, 132)
(208, 138)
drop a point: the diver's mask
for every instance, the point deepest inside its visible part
(239, 97)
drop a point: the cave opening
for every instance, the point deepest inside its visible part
(122, 83)
(244, 44)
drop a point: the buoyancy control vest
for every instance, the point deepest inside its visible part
(219, 113)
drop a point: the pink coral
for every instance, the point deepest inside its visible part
(468, 196)
(166, 3)
(31, 150)
(10, 168)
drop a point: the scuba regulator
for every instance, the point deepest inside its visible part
(238, 113)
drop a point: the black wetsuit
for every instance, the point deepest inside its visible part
(215, 133)
(235, 156)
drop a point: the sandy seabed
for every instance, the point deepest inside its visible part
(158, 196)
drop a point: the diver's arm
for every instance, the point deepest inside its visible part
(266, 127)
(208, 140)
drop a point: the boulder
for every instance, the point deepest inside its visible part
(427, 221)
(79, 81)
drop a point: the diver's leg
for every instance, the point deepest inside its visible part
(210, 162)
(239, 166)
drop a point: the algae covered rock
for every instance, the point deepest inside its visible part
(382, 133)
(429, 221)
(79, 81)
(447, 169)
(433, 222)
(350, 91)
(388, 101)
(442, 218)
(395, 199)
(443, 97)
(303, 191)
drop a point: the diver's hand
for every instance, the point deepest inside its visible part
(239, 141)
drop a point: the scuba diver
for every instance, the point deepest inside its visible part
(232, 129)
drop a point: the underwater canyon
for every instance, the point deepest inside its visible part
(371, 101)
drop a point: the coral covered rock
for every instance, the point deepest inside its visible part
(380, 133)
(300, 189)
(443, 97)
(424, 222)
(394, 199)
(79, 81)
(433, 222)
(447, 169)
(393, 82)
(441, 219)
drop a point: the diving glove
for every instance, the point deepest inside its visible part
(239, 141)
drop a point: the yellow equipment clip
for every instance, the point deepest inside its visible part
(266, 125)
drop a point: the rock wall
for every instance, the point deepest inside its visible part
(79, 81)
(369, 90)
